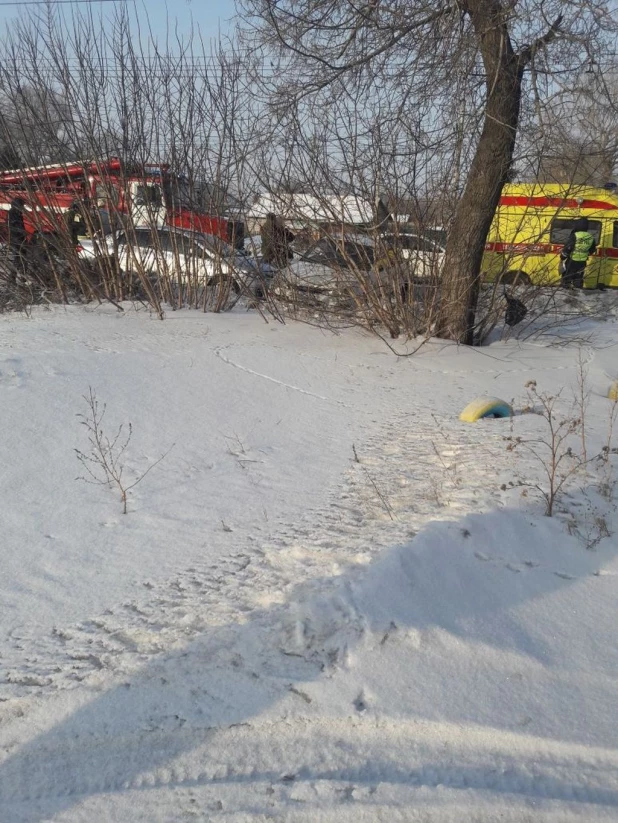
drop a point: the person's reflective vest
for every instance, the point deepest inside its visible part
(584, 241)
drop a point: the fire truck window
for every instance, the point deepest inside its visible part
(561, 229)
(148, 196)
(615, 235)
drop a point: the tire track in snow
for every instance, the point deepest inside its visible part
(403, 752)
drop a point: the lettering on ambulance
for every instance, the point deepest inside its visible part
(529, 249)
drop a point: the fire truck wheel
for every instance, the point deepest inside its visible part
(485, 407)
(514, 277)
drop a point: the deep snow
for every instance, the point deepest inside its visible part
(280, 631)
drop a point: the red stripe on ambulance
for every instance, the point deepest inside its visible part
(556, 202)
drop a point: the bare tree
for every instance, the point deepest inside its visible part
(577, 139)
(33, 123)
(492, 54)
(71, 88)
(343, 180)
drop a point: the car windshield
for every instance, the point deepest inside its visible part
(320, 252)
(216, 244)
(185, 243)
(412, 242)
(347, 255)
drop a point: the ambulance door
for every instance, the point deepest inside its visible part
(595, 265)
(561, 229)
(609, 273)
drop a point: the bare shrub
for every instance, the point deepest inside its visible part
(582, 399)
(104, 463)
(591, 526)
(552, 450)
(379, 492)
(607, 479)
(562, 451)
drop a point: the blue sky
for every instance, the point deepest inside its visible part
(212, 16)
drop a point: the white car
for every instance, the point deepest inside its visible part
(424, 256)
(179, 254)
(329, 274)
(89, 249)
(182, 256)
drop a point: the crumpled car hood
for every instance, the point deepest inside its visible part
(304, 274)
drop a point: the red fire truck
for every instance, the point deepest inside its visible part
(142, 194)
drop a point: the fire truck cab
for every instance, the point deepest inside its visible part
(143, 195)
(532, 224)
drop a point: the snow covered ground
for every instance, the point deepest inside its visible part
(330, 601)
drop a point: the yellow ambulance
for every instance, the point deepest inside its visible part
(533, 222)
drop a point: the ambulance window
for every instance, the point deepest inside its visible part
(561, 229)
(615, 235)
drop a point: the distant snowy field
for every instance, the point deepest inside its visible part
(330, 601)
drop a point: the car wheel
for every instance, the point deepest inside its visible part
(259, 292)
(222, 293)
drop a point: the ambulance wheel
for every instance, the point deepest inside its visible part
(485, 407)
(514, 277)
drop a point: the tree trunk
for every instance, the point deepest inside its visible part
(488, 173)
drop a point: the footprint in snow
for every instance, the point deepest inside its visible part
(360, 704)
